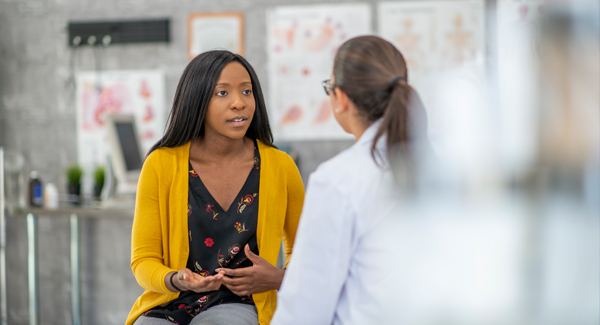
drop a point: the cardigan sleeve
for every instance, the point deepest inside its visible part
(295, 199)
(147, 261)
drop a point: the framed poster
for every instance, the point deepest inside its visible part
(301, 44)
(211, 31)
(140, 93)
(443, 44)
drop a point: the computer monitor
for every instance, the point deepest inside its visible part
(125, 151)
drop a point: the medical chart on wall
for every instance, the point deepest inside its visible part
(301, 44)
(139, 93)
(435, 36)
(443, 43)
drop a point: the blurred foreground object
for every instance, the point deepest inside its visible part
(502, 227)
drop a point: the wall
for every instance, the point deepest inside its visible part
(37, 118)
(37, 111)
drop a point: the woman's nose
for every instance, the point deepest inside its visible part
(238, 102)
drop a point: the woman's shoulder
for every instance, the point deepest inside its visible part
(352, 164)
(166, 154)
(272, 153)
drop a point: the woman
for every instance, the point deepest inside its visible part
(215, 199)
(341, 270)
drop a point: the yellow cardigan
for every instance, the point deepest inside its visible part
(159, 242)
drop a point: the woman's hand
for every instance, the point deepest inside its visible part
(260, 277)
(186, 280)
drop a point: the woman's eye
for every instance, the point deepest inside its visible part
(247, 92)
(221, 93)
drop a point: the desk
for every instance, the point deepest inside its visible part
(74, 214)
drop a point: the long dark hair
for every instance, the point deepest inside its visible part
(373, 73)
(193, 94)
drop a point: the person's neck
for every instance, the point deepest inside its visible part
(357, 126)
(358, 132)
(219, 147)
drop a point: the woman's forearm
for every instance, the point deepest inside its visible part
(172, 282)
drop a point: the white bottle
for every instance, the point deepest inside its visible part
(51, 196)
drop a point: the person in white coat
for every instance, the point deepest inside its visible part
(339, 273)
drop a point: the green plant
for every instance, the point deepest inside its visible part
(74, 173)
(99, 176)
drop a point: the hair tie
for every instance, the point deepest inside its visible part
(395, 80)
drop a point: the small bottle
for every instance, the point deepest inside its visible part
(50, 196)
(36, 191)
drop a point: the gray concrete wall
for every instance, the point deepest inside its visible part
(37, 118)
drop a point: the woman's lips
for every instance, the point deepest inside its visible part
(238, 121)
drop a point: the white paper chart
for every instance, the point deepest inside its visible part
(301, 44)
(139, 93)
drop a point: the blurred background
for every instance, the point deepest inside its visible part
(498, 225)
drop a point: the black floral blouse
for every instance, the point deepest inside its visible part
(217, 239)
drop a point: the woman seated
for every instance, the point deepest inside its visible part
(214, 201)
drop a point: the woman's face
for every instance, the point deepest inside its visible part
(232, 105)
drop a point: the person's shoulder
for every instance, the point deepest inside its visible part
(349, 158)
(272, 153)
(354, 164)
(166, 154)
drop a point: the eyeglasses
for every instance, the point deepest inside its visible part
(327, 86)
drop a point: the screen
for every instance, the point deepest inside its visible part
(129, 145)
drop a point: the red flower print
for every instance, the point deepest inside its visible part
(240, 227)
(193, 173)
(203, 301)
(234, 250)
(209, 207)
(248, 199)
(209, 242)
(181, 306)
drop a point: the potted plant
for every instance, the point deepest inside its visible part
(74, 173)
(98, 181)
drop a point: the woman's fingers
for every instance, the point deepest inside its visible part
(240, 290)
(234, 281)
(193, 281)
(209, 283)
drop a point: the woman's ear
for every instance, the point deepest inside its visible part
(342, 99)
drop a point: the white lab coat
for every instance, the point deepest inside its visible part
(338, 271)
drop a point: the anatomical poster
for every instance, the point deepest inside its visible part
(139, 93)
(435, 36)
(443, 43)
(301, 44)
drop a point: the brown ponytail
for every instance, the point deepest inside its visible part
(372, 72)
(393, 124)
